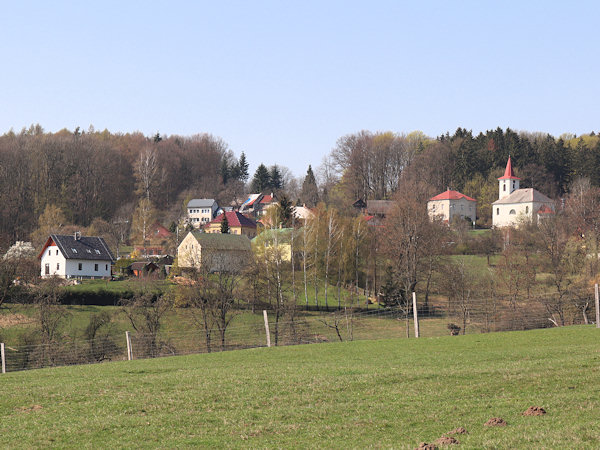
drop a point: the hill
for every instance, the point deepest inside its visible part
(390, 393)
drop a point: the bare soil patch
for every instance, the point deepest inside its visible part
(495, 422)
(459, 430)
(446, 440)
(534, 411)
(426, 446)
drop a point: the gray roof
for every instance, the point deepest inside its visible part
(201, 203)
(218, 241)
(524, 196)
(84, 247)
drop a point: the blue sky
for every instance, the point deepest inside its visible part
(283, 81)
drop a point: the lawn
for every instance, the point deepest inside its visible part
(389, 393)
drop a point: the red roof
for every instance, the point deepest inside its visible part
(235, 219)
(508, 172)
(266, 199)
(545, 209)
(452, 195)
(158, 231)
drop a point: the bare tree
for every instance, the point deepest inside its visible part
(146, 172)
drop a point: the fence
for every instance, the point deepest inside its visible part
(437, 318)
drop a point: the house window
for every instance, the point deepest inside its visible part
(74, 250)
(497, 211)
(97, 252)
(512, 212)
(49, 254)
(80, 266)
(106, 267)
(56, 252)
(47, 269)
(57, 266)
(96, 267)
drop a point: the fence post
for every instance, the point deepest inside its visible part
(2, 355)
(129, 351)
(597, 306)
(267, 328)
(415, 315)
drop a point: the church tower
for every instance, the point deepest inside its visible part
(508, 183)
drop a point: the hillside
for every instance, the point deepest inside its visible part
(383, 393)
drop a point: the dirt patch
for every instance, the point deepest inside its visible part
(446, 440)
(11, 320)
(30, 408)
(535, 411)
(426, 446)
(495, 422)
(459, 430)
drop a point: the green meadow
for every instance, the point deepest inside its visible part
(390, 393)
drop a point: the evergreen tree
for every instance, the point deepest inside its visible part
(262, 180)
(310, 191)
(242, 167)
(275, 179)
(285, 211)
(224, 225)
(225, 171)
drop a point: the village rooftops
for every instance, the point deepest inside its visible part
(220, 241)
(451, 195)
(234, 219)
(201, 203)
(522, 196)
(80, 247)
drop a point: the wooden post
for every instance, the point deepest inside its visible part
(267, 328)
(2, 355)
(415, 315)
(129, 351)
(597, 306)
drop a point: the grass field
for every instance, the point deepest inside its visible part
(389, 393)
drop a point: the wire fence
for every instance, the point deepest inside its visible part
(438, 317)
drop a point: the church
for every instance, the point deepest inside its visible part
(516, 205)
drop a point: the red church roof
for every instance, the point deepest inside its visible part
(452, 195)
(508, 172)
(235, 219)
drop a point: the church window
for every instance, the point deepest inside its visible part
(512, 211)
(497, 211)
(504, 187)
(526, 209)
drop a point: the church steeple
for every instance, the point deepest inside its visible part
(508, 183)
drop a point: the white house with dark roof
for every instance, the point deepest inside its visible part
(200, 211)
(75, 256)
(515, 205)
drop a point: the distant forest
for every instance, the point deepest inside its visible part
(91, 175)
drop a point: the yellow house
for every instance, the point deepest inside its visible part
(238, 224)
(214, 252)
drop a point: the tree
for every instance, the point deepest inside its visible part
(275, 179)
(242, 171)
(145, 311)
(261, 180)
(310, 191)
(146, 172)
(224, 225)
(459, 284)
(143, 219)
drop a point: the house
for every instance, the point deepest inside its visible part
(75, 256)
(238, 224)
(257, 204)
(157, 243)
(214, 252)
(274, 242)
(450, 204)
(200, 211)
(302, 213)
(142, 269)
(515, 205)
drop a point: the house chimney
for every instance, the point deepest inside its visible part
(77, 235)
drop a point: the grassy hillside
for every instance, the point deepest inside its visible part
(391, 393)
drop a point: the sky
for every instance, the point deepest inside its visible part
(283, 81)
